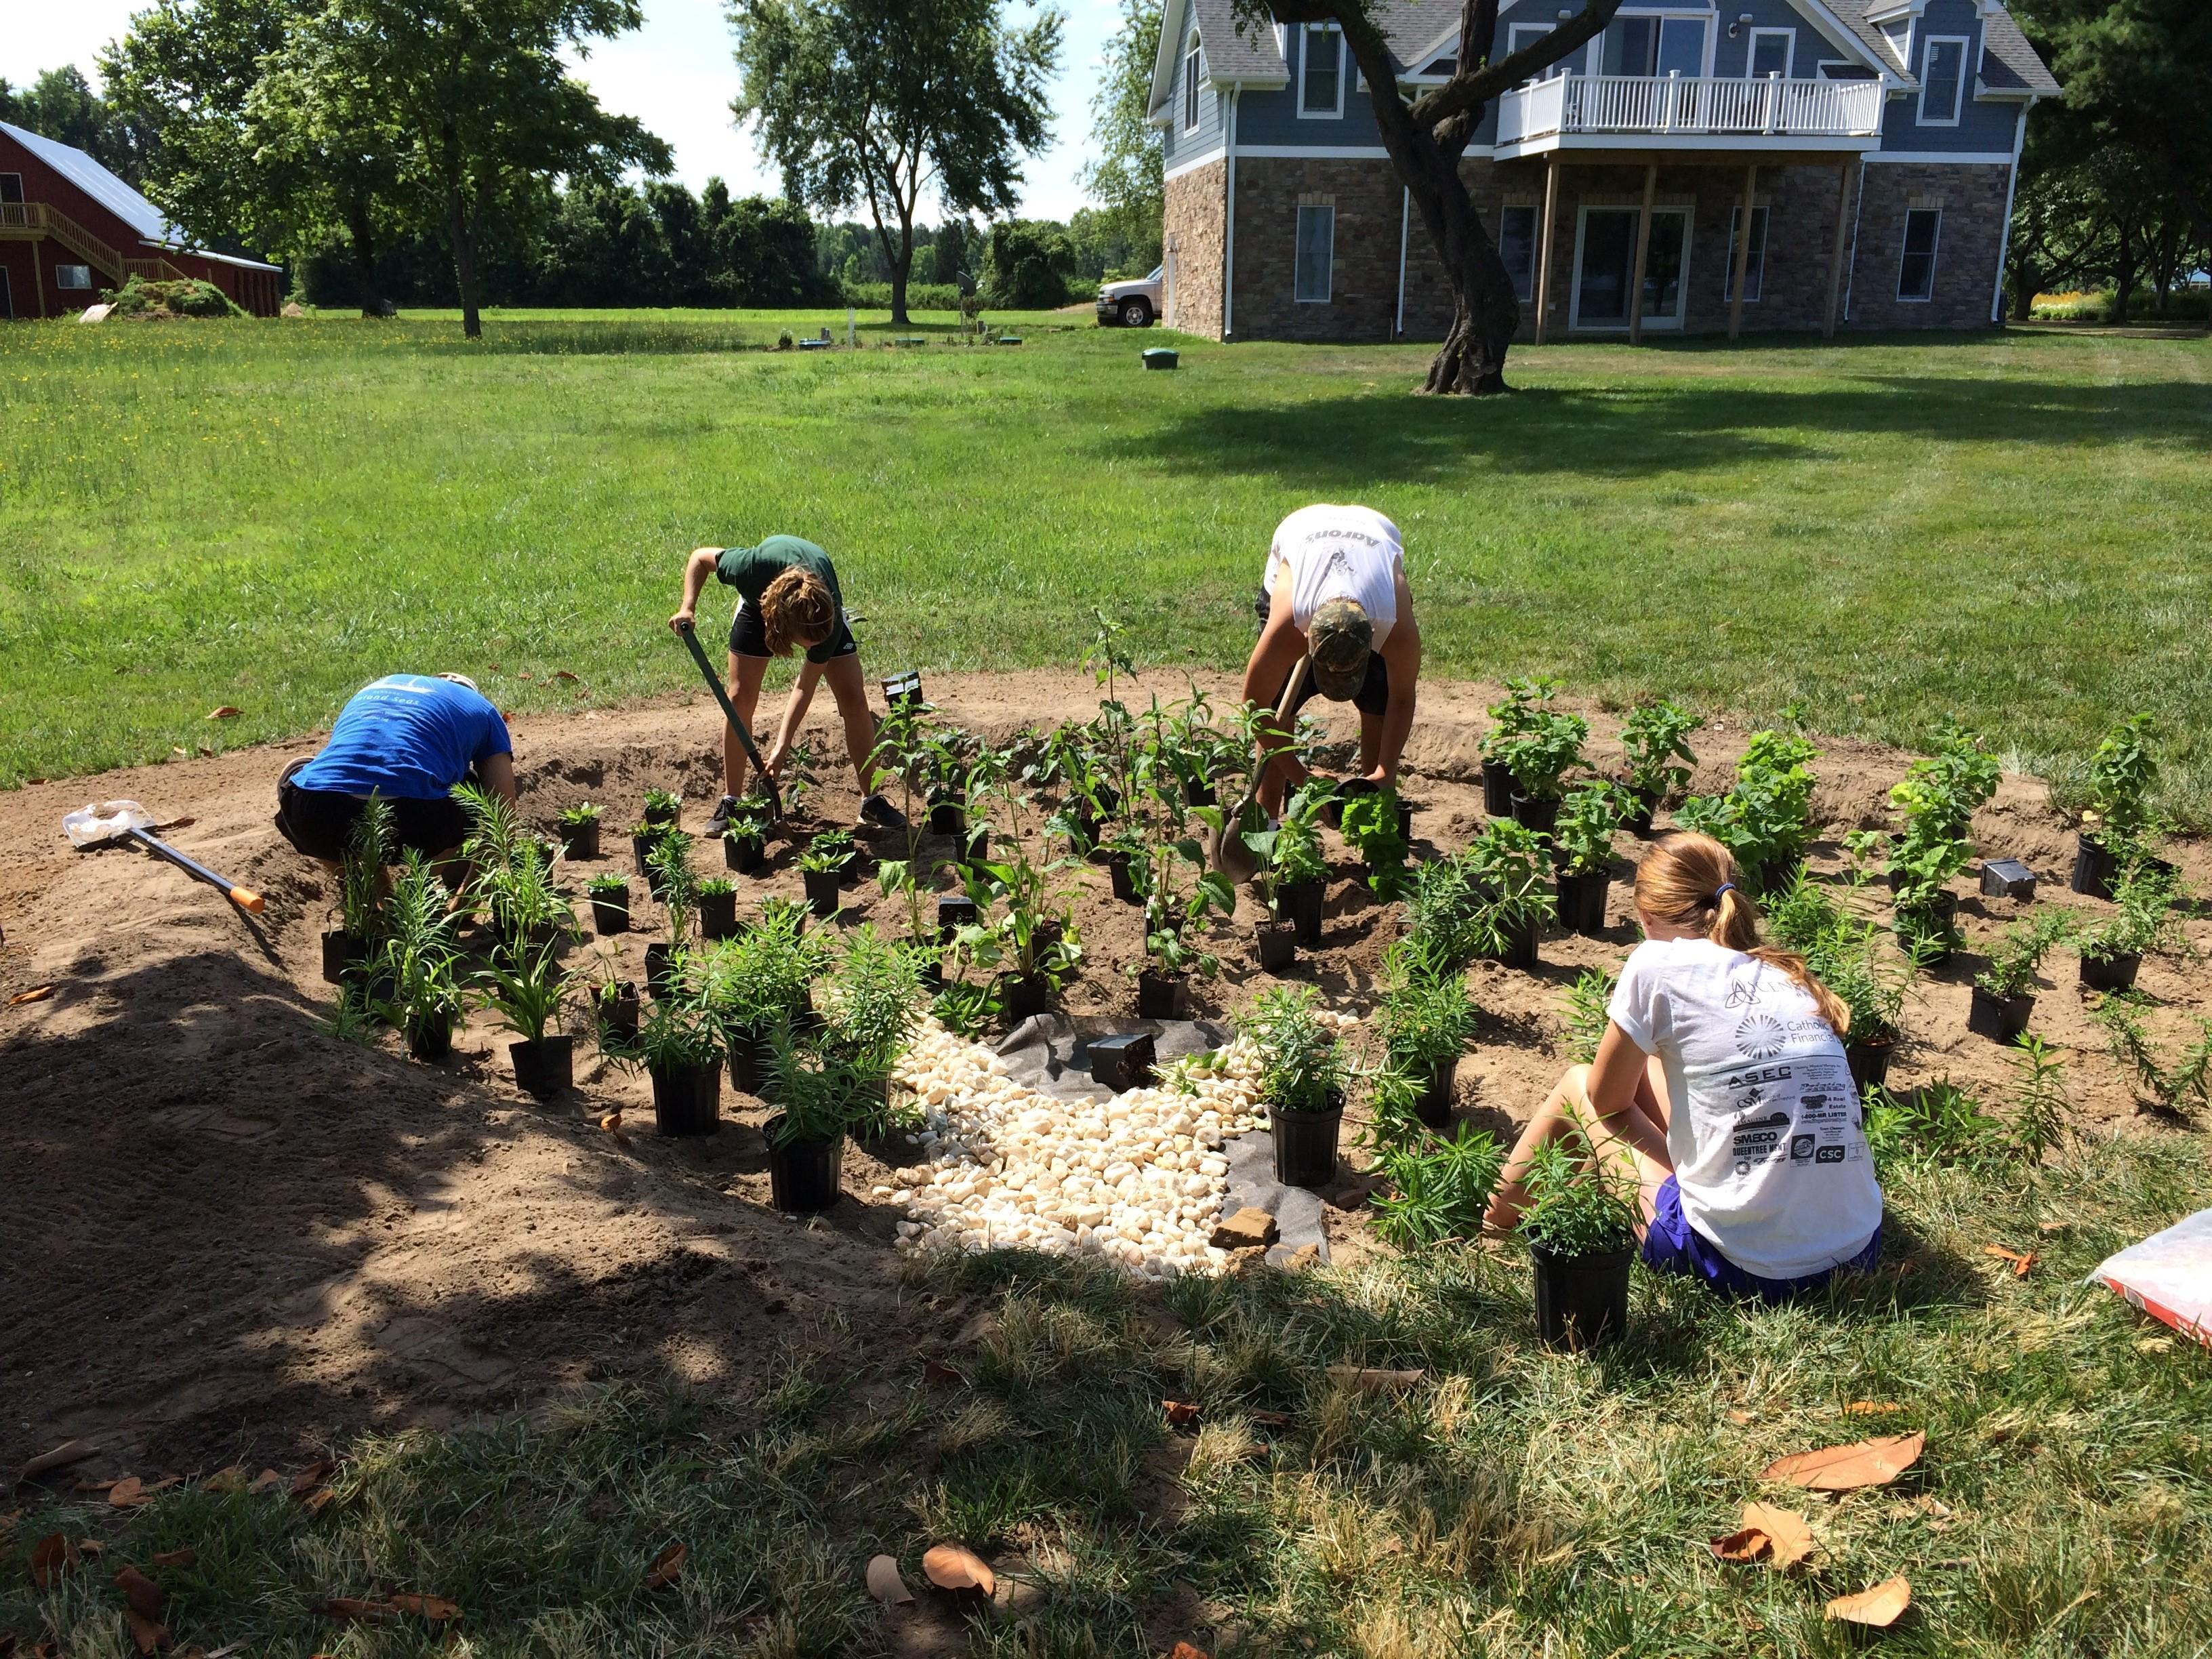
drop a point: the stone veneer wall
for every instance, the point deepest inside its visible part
(1801, 212)
(1191, 237)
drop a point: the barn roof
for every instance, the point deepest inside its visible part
(117, 197)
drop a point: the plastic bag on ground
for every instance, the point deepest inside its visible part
(2168, 1276)
(105, 821)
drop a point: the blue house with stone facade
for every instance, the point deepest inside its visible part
(1871, 146)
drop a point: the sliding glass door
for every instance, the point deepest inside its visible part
(1605, 264)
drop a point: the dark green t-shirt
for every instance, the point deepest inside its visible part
(751, 569)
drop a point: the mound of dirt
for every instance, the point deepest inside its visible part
(231, 1234)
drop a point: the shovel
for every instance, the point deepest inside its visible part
(690, 637)
(127, 821)
(1225, 849)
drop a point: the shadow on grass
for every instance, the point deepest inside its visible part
(1641, 428)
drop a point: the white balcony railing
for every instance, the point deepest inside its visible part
(1658, 105)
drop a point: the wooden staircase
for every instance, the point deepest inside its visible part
(29, 220)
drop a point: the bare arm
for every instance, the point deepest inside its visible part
(1280, 647)
(1401, 655)
(794, 712)
(497, 772)
(1614, 1077)
(698, 570)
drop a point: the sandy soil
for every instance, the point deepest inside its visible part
(230, 1236)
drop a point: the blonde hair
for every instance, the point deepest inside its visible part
(1689, 881)
(796, 611)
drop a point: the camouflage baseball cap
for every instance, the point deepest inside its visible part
(1340, 642)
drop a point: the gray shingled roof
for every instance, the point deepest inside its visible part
(2008, 62)
(1229, 55)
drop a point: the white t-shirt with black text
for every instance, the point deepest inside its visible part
(1769, 1153)
(1331, 552)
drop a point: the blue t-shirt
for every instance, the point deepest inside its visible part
(409, 737)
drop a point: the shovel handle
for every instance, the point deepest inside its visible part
(244, 897)
(688, 634)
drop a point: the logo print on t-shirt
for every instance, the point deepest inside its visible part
(1762, 1036)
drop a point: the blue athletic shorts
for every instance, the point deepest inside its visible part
(1672, 1246)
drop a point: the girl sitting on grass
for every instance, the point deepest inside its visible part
(1722, 1075)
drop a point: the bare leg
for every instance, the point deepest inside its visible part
(1564, 1111)
(850, 687)
(745, 676)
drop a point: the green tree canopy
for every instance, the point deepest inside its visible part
(61, 105)
(1124, 173)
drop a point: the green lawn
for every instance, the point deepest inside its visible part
(2008, 528)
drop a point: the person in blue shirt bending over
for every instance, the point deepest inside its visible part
(410, 738)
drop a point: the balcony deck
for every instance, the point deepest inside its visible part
(1688, 113)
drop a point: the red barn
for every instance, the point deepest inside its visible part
(69, 227)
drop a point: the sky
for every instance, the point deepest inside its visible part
(674, 74)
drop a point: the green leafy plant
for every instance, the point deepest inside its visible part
(1368, 825)
(1543, 752)
(1655, 739)
(1766, 819)
(670, 862)
(1843, 952)
(2012, 962)
(1922, 862)
(909, 749)
(1303, 1069)
(821, 1091)
(1506, 872)
(1439, 1188)
(1582, 841)
(417, 965)
(1588, 999)
(2143, 920)
(680, 1034)
(765, 975)
(715, 887)
(575, 818)
(1579, 1203)
(608, 884)
(832, 850)
(2173, 1084)
(527, 994)
(1425, 1018)
(2040, 1101)
(747, 822)
(351, 1019)
(665, 802)
(1519, 712)
(2122, 773)
(871, 999)
(1937, 1124)
(966, 1008)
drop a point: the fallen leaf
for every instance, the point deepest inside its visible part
(1880, 1607)
(225, 713)
(1746, 1546)
(1871, 1408)
(564, 674)
(1373, 1379)
(885, 1583)
(267, 1481)
(230, 1479)
(225, 1652)
(1790, 1536)
(524, 674)
(955, 1567)
(36, 993)
(2022, 1262)
(436, 1608)
(70, 1451)
(128, 1493)
(934, 1372)
(51, 1557)
(149, 1636)
(144, 1595)
(316, 1500)
(312, 1477)
(667, 1566)
(185, 1558)
(1188, 1651)
(2052, 1226)
(1181, 1414)
(1271, 1419)
(91, 1548)
(1842, 1468)
(2154, 1345)
(1742, 1419)
(361, 1610)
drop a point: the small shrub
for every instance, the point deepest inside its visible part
(155, 301)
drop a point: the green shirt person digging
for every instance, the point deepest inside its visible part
(787, 599)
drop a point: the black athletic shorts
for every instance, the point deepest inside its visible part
(317, 821)
(1373, 693)
(749, 637)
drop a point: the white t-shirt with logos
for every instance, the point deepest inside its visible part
(1769, 1153)
(1338, 553)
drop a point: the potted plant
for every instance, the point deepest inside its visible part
(528, 997)
(1510, 899)
(579, 829)
(870, 1005)
(822, 869)
(1525, 701)
(669, 874)
(1580, 1226)
(760, 979)
(2143, 895)
(360, 892)
(1035, 946)
(2118, 818)
(717, 898)
(418, 968)
(643, 837)
(1841, 949)
(1766, 819)
(1303, 1078)
(609, 894)
(2004, 991)
(615, 1002)
(1922, 862)
(1655, 739)
(679, 1045)
(820, 1092)
(1426, 1019)
(1541, 756)
(1371, 827)
(1582, 851)
(662, 807)
(744, 837)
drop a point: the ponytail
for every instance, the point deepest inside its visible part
(796, 610)
(1689, 881)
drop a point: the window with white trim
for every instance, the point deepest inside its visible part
(1754, 270)
(1771, 53)
(1193, 71)
(1520, 36)
(1316, 255)
(72, 276)
(1516, 249)
(1942, 80)
(1320, 78)
(1656, 43)
(1916, 267)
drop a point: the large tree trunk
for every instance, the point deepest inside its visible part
(464, 229)
(900, 270)
(2125, 268)
(362, 241)
(1471, 363)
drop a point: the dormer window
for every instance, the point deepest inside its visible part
(1942, 80)
(1321, 79)
(1193, 71)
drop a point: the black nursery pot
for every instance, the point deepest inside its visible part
(547, 1066)
(1023, 996)
(749, 1057)
(1158, 996)
(1647, 807)
(1779, 875)
(1870, 1064)
(430, 1040)
(659, 815)
(639, 847)
(718, 914)
(1122, 1063)
(1198, 791)
(1302, 904)
(618, 1018)
(1276, 943)
(1582, 1301)
(1497, 789)
(1520, 949)
(1582, 901)
(580, 841)
(2094, 867)
(1305, 1143)
(610, 916)
(2114, 973)
(954, 912)
(2002, 1019)
(686, 1100)
(1541, 815)
(821, 889)
(1435, 1104)
(1940, 914)
(342, 954)
(947, 818)
(659, 969)
(1125, 884)
(744, 854)
(1406, 820)
(803, 1176)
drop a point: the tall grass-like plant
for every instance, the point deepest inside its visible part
(1425, 1018)
(2143, 919)
(362, 887)
(2177, 1082)
(670, 863)
(1579, 1203)
(417, 967)
(820, 1091)
(1439, 1188)
(1588, 999)
(1303, 1067)
(766, 975)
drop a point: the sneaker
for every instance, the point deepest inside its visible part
(880, 813)
(720, 822)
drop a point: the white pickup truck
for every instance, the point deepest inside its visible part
(1134, 304)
